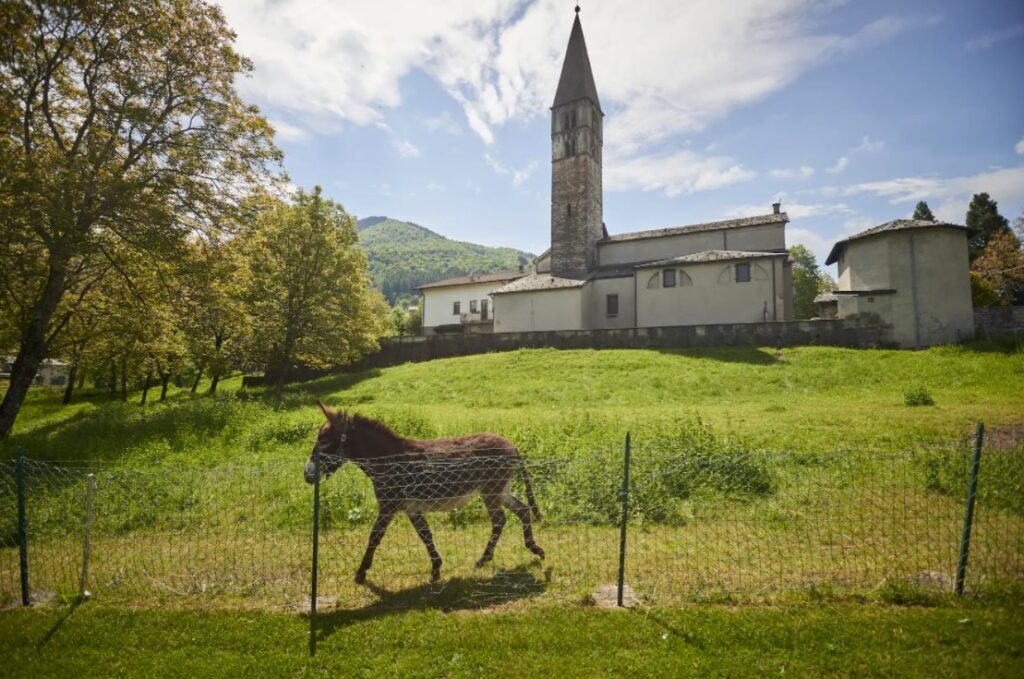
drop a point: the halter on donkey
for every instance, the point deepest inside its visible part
(418, 476)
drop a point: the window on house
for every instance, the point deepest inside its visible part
(568, 209)
(668, 278)
(743, 272)
(472, 306)
(456, 308)
(612, 305)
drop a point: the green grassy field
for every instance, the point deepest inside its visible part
(843, 641)
(788, 481)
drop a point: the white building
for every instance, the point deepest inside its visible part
(913, 275)
(463, 303)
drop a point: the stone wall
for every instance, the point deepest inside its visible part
(999, 321)
(840, 332)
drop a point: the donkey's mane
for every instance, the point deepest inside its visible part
(376, 425)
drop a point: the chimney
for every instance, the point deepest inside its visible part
(775, 207)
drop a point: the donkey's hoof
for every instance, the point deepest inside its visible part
(482, 562)
(360, 577)
(435, 577)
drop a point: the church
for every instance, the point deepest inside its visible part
(730, 271)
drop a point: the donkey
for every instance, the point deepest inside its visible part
(418, 476)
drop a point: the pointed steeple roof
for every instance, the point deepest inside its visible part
(577, 80)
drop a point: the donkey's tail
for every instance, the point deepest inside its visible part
(529, 490)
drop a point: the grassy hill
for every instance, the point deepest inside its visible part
(404, 255)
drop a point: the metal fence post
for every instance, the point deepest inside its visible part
(622, 525)
(90, 485)
(22, 528)
(316, 550)
(972, 492)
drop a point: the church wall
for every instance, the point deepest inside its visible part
(541, 310)
(760, 238)
(595, 303)
(711, 295)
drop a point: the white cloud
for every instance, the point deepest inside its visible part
(406, 148)
(676, 173)
(986, 40)
(662, 69)
(434, 187)
(867, 145)
(1019, 147)
(839, 166)
(288, 132)
(1004, 184)
(802, 172)
(443, 123)
(518, 176)
(794, 210)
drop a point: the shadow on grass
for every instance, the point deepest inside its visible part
(60, 622)
(746, 354)
(457, 594)
(998, 345)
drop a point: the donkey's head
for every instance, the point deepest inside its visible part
(330, 442)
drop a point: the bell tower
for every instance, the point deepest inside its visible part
(576, 146)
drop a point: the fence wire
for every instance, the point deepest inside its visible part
(703, 525)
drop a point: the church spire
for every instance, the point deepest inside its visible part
(577, 79)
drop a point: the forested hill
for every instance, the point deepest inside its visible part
(404, 255)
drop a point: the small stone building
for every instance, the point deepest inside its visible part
(912, 275)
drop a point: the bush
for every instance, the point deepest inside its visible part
(918, 396)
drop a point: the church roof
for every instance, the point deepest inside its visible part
(474, 279)
(894, 225)
(577, 79)
(773, 218)
(538, 282)
(711, 256)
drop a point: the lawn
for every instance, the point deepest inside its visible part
(840, 640)
(799, 488)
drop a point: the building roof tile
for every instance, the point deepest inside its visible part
(538, 282)
(894, 225)
(774, 218)
(474, 279)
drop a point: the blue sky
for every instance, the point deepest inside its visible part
(850, 112)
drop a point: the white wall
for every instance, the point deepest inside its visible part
(595, 303)
(437, 302)
(712, 294)
(760, 238)
(559, 309)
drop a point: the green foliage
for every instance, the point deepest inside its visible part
(403, 255)
(918, 396)
(808, 282)
(309, 295)
(922, 211)
(983, 224)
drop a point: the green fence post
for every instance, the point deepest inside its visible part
(22, 528)
(316, 551)
(622, 525)
(972, 492)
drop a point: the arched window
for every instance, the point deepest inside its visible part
(565, 122)
(654, 282)
(572, 146)
(566, 148)
(568, 209)
(684, 279)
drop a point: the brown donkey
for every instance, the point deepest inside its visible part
(415, 477)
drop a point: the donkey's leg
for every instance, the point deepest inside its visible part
(419, 522)
(523, 512)
(380, 526)
(497, 514)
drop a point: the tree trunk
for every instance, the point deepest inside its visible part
(195, 383)
(213, 383)
(145, 388)
(33, 345)
(113, 379)
(70, 388)
(81, 379)
(124, 380)
(164, 379)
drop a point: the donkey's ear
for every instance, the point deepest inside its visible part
(328, 413)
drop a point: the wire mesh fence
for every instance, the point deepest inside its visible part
(708, 524)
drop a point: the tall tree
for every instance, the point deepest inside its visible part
(922, 211)
(309, 293)
(1000, 268)
(808, 281)
(121, 126)
(983, 224)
